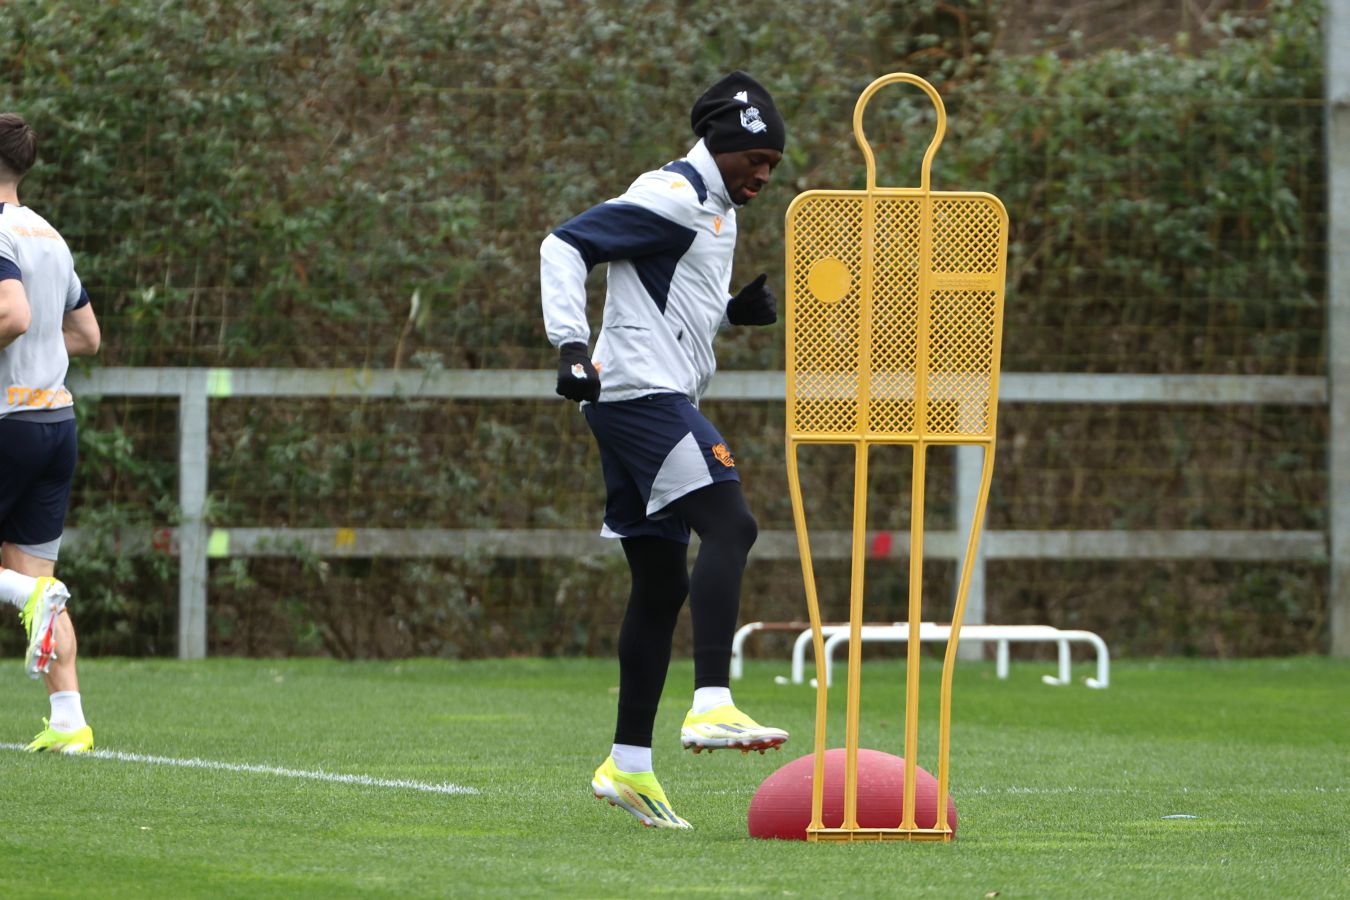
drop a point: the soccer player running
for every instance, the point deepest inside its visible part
(45, 318)
(669, 242)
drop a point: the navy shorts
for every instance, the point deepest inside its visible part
(37, 463)
(653, 451)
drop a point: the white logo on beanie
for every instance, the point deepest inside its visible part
(751, 120)
(743, 96)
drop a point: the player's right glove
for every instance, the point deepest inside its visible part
(577, 378)
(755, 304)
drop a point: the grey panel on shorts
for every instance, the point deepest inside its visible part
(685, 470)
(46, 550)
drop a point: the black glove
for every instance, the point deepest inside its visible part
(577, 378)
(754, 305)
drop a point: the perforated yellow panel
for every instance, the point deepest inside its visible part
(894, 363)
(895, 309)
(903, 342)
(827, 342)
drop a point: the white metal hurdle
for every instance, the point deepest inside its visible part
(1001, 635)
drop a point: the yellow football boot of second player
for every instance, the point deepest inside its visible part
(50, 740)
(39, 616)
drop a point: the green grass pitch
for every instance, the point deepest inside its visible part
(1061, 791)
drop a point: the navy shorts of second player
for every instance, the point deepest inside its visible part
(654, 450)
(37, 463)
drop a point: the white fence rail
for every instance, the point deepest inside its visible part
(195, 542)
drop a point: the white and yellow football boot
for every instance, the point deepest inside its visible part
(637, 792)
(49, 740)
(727, 728)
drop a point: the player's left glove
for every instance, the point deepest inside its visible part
(754, 305)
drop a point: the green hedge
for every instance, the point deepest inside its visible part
(272, 184)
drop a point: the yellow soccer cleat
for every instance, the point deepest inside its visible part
(39, 617)
(726, 727)
(52, 741)
(638, 793)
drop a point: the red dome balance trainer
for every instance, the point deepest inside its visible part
(782, 805)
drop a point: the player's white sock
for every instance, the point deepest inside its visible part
(67, 713)
(632, 759)
(15, 587)
(708, 698)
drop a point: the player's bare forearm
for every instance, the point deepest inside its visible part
(15, 316)
(80, 331)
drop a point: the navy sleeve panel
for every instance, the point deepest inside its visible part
(613, 231)
(686, 168)
(83, 301)
(10, 269)
(651, 242)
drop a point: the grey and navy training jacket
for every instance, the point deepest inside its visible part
(669, 242)
(33, 367)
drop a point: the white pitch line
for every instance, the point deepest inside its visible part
(1071, 789)
(195, 763)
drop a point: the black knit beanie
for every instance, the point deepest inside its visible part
(737, 113)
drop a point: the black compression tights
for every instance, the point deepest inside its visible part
(720, 517)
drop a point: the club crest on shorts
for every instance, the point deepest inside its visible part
(723, 455)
